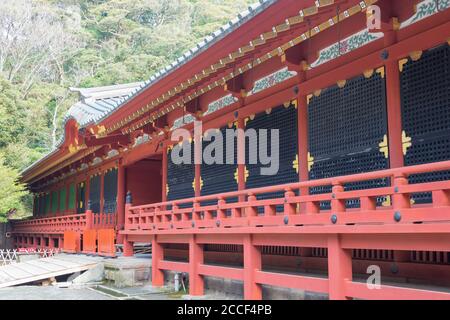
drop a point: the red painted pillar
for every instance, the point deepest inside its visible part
(303, 173)
(128, 249)
(87, 191)
(394, 114)
(252, 263)
(197, 160)
(89, 219)
(196, 283)
(78, 247)
(102, 191)
(67, 198)
(241, 156)
(339, 268)
(51, 243)
(128, 246)
(157, 256)
(120, 201)
(164, 175)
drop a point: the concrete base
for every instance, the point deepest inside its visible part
(93, 275)
(135, 272)
(128, 271)
(234, 290)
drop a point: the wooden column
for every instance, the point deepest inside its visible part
(339, 268)
(67, 197)
(394, 113)
(102, 191)
(393, 100)
(197, 157)
(198, 173)
(252, 263)
(87, 190)
(196, 282)
(120, 200)
(128, 246)
(303, 172)
(157, 256)
(128, 249)
(241, 156)
(165, 158)
(51, 242)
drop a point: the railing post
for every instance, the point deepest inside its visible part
(89, 220)
(196, 282)
(289, 208)
(196, 211)
(128, 249)
(337, 205)
(51, 242)
(221, 213)
(174, 213)
(302, 161)
(252, 264)
(339, 268)
(400, 200)
(252, 211)
(128, 205)
(157, 256)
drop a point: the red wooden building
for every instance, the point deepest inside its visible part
(363, 112)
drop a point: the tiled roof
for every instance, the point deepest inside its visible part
(94, 102)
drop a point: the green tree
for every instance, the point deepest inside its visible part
(12, 193)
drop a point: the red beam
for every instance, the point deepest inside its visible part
(221, 272)
(360, 290)
(292, 281)
(173, 266)
(414, 242)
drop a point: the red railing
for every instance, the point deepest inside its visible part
(369, 231)
(60, 224)
(51, 225)
(104, 221)
(303, 209)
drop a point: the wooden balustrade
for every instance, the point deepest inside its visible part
(60, 224)
(51, 225)
(257, 212)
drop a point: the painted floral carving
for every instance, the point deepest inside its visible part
(220, 104)
(271, 80)
(345, 46)
(425, 9)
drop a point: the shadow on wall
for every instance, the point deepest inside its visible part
(5, 241)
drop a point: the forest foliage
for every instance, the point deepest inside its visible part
(47, 46)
